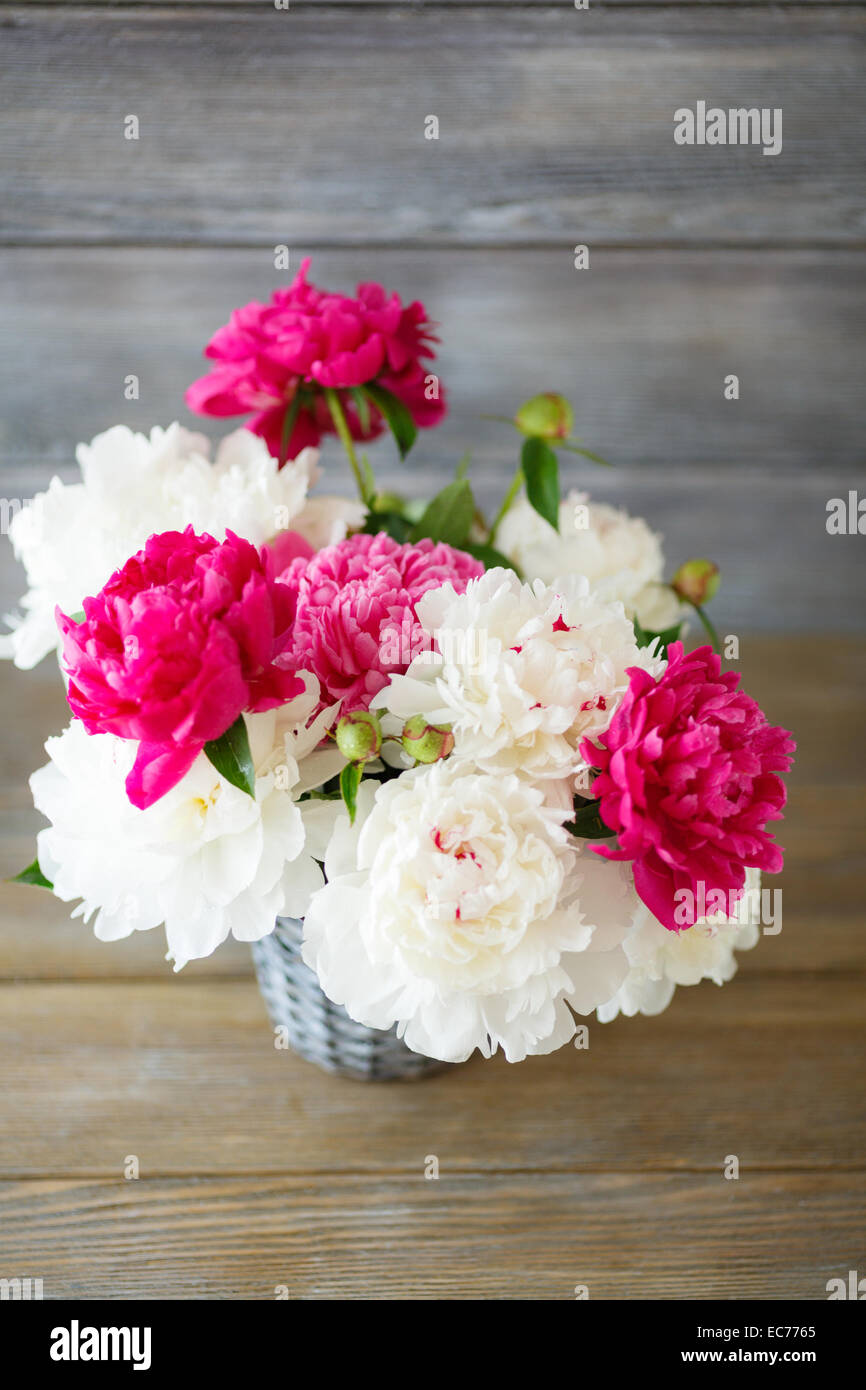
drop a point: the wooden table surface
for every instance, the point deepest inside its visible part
(602, 1168)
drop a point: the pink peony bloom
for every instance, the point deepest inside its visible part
(355, 622)
(187, 635)
(304, 339)
(288, 546)
(688, 783)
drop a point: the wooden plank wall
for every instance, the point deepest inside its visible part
(306, 128)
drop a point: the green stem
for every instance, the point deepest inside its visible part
(708, 627)
(289, 419)
(516, 485)
(340, 424)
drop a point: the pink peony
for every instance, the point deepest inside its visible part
(305, 339)
(356, 622)
(182, 639)
(688, 782)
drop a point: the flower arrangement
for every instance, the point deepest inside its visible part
(474, 757)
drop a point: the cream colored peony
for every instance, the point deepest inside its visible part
(659, 959)
(522, 672)
(460, 909)
(207, 860)
(73, 537)
(619, 554)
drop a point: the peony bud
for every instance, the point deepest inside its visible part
(388, 502)
(697, 581)
(359, 736)
(545, 417)
(427, 743)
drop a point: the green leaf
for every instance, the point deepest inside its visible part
(394, 524)
(231, 756)
(449, 516)
(398, 417)
(541, 473)
(463, 466)
(350, 781)
(362, 405)
(77, 617)
(643, 637)
(490, 557)
(414, 509)
(574, 449)
(369, 483)
(33, 875)
(289, 420)
(588, 823)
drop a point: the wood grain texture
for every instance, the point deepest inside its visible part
(781, 571)
(411, 5)
(600, 1167)
(642, 341)
(188, 1079)
(555, 127)
(470, 1237)
(822, 885)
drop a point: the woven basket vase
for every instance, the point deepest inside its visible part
(321, 1031)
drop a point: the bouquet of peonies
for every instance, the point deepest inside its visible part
(474, 757)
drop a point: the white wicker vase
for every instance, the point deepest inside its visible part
(320, 1030)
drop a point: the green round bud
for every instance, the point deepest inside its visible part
(547, 416)
(697, 581)
(389, 502)
(426, 743)
(359, 736)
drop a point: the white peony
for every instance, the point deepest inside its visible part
(73, 537)
(619, 554)
(460, 909)
(522, 672)
(325, 520)
(207, 860)
(659, 959)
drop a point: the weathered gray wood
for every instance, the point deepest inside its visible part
(822, 899)
(483, 1236)
(822, 884)
(497, 5)
(642, 342)
(185, 1075)
(556, 125)
(782, 571)
(306, 127)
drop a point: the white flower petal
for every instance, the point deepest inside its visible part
(301, 879)
(521, 672)
(207, 859)
(73, 536)
(456, 914)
